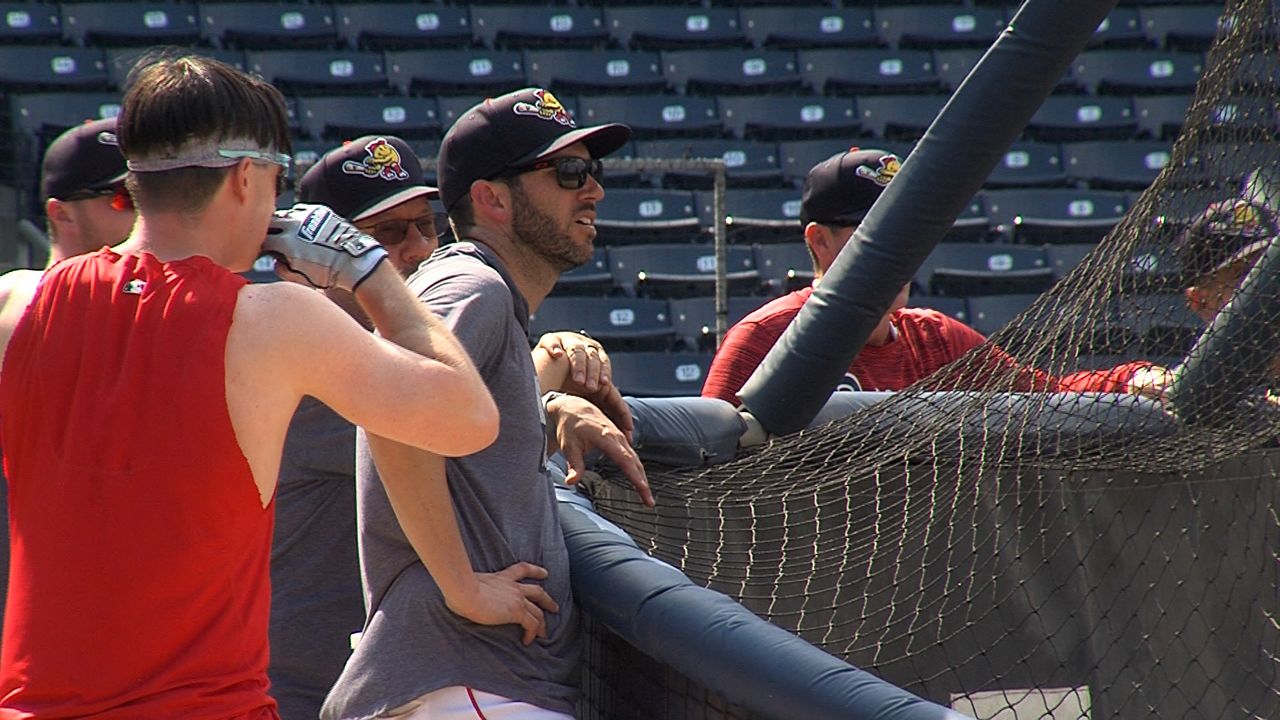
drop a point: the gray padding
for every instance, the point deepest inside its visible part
(715, 641)
(949, 164)
(685, 431)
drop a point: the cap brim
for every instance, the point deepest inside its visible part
(110, 182)
(396, 198)
(599, 139)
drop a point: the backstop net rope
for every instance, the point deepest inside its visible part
(1010, 547)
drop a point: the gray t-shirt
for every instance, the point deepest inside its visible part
(316, 601)
(505, 502)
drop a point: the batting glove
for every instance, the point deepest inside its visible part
(327, 251)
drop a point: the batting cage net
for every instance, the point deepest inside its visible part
(1077, 518)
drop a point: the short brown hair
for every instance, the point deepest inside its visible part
(171, 100)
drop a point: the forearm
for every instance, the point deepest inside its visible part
(419, 493)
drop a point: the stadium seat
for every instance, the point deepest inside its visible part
(1160, 117)
(521, 27)
(1063, 259)
(120, 60)
(989, 313)
(957, 269)
(731, 70)
(784, 267)
(617, 322)
(676, 270)
(629, 215)
(1068, 118)
(267, 25)
(1116, 164)
(787, 26)
(758, 215)
(1121, 28)
(49, 114)
(797, 157)
(591, 278)
(345, 117)
(1243, 118)
(130, 23)
(320, 71)
(955, 307)
(1153, 269)
(652, 374)
(777, 117)
(932, 26)
(1181, 27)
(666, 27)
(30, 23)
(694, 320)
(869, 70)
(47, 67)
(1055, 215)
(1028, 164)
(455, 71)
(654, 116)
(595, 71)
(747, 162)
(1163, 322)
(402, 26)
(899, 117)
(1136, 72)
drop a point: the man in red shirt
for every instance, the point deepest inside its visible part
(909, 343)
(144, 397)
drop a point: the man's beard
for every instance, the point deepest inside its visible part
(537, 231)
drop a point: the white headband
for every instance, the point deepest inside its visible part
(210, 154)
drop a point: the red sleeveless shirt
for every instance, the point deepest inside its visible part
(139, 582)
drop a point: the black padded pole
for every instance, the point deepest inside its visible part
(948, 165)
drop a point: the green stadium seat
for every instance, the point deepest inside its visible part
(568, 72)
(29, 23)
(267, 25)
(320, 71)
(667, 27)
(869, 70)
(676, 270)
(617, 322)
(778, 117)
(344, 117)
(402, 26)
(934, 26)
(451, 71)
(670, 374)
(788, 26)
(130, 23)
(518, 27)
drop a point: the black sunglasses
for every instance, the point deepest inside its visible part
(394, 232)
(571, 172)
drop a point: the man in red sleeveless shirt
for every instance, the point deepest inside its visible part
(144, 398)
(909, 343)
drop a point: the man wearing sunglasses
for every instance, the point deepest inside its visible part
(521, 183)
(145, 395)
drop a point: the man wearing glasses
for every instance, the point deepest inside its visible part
(521, 183)
(144, 398)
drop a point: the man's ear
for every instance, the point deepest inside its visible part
(1201, 302)
(239, 179)
(491, 200)
(821, 244)
(56, 211)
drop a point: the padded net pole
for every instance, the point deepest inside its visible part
(949, 165)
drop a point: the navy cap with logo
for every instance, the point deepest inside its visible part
(841, 189)
(86, 157)
(364, 177)
(1225, 233)
(513, 130)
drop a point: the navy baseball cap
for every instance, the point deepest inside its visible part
(512, 130)
(1226, 232)
(841, 189)
(86, 157)
(365, 176)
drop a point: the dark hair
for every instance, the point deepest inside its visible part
(171, 101)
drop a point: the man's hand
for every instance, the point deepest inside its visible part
(581, 426)
(502, 598)
(1151, 381)
(312, 242)
(576, 364)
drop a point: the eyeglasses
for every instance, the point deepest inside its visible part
(283, 160)
(571, 172)
(394, 232)
(121, 200)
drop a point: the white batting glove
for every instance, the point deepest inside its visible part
(327, 251)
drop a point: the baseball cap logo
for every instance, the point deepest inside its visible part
(106, 137)
(889, 165)
(382, 161)
(544, 107)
